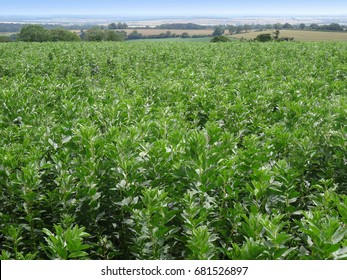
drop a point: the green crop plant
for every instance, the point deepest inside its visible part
(173, 150)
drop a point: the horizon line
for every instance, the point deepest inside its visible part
(174, 16)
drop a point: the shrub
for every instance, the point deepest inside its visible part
(264, 37)
(221, 38)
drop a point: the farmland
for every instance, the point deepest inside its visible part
(152, 31)
(173, 150)
(300, 35)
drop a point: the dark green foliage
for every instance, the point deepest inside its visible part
(37, 33)
(112, 35)
(134, 35)
(173, 151)
(287, 26)
(95, 34)
(218, 31)
(4, 39)
(118, 25)
(185, 35)
(267, 37)
(61, 34)
(220, 39)
(33, 33)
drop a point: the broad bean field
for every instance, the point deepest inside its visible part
(173, 150)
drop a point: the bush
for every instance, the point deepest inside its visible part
(4, 39)
(134, 35)
(264, 37)
(220, 39)
(61, 34)
(185, 35)
(115, 35)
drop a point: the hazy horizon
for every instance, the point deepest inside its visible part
(178, 8)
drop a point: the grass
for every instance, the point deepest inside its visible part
(300, 35)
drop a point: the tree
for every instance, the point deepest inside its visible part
(33, 33)
(95, 34)
(185, 35)
(269, 26)
(335, 27)
(118, 25)
(276, 34)
(218, 31)
(61, 34)
(247, 27)
(231, 29)
(287, 26)
(302, 25)
(114, 35)
(314, 26)
(134, 35)
(278, 26)
(83, 35)
(122, 25)
(239, 29)
(112, 26)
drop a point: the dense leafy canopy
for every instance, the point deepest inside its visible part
(173, 151)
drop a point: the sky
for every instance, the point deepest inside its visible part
(173, 8)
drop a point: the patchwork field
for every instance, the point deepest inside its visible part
(300, 35)
(173, 150)
(147, 32)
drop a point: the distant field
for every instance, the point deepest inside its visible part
(150, 31)
(300, 35)
(147, 32)
(202, 39)
(6, 33)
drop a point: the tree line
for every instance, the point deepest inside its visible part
(37, 33)
(232, 29)
(135, 35)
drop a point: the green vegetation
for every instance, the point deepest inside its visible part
(275, 36)
(173, 150)
(118, 25)
(4, 39)
(37, 33)
(218, 31)
(97, 34)
(220, 38)
(266, 37)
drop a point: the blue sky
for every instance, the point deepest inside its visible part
(174, 8)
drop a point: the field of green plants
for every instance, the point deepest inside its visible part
(173, 150)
